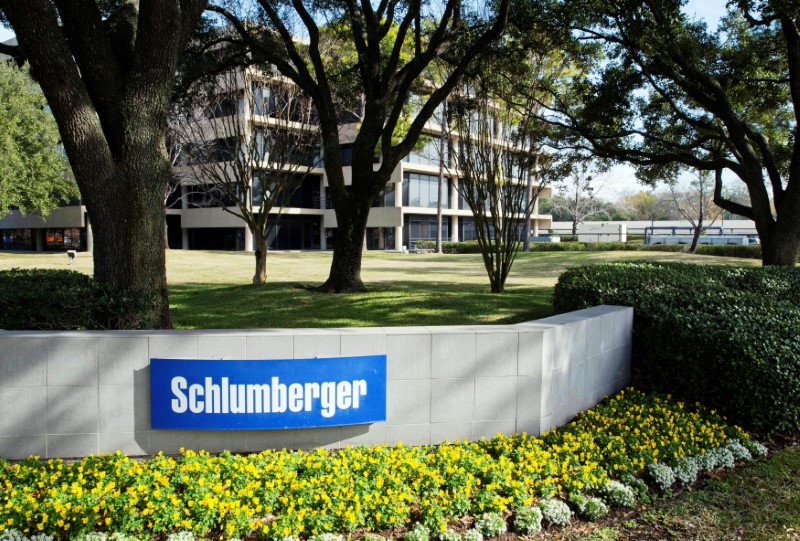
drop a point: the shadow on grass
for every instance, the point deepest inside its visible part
(284, 305)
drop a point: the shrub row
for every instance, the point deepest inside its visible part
(275, 494)
(471, 247)
(42, 299)
(726, 336)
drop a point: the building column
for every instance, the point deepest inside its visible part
(454, 228)
(39, 234)
(184, 238)
(248, 240)
(323, 239)
(89, 235)
(398, 203)
(454, 193)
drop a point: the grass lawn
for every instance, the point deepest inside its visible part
(213, 290)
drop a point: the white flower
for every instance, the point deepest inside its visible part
(528, 520)
(491, 525)
(555, 511)
(662, 476)
(618, 494)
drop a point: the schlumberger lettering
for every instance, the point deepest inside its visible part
(223, 396)
(267, 394)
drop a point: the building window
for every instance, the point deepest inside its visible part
(428, 154)
(420, 190)
(386, 197)
(416, 228)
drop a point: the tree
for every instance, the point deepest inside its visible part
(34, 174)
(671, 94)
(578, 200)
(694, 200)
(393, 44)
(497, 160)
(107, 69)
(643, 205)
(250, 139)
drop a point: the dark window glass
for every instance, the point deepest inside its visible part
(421, 190)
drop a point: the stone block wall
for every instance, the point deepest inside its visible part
(70, 394)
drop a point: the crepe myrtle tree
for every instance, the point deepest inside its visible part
(107, 69)
(501, 171)
(249, 139)
(671, 95)
(392, 43)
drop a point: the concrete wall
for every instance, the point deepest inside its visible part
(70, 394)
(602, 232)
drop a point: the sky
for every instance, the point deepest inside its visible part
(620, 180)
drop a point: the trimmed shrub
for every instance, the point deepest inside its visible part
(39, 299)
(752, 251)
(726, 336)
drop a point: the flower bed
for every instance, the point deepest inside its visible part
(275, 494)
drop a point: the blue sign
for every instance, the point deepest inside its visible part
(196, 394)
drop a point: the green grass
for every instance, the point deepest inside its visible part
(214, 290)
(758, 502)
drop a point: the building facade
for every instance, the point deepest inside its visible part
(404, 213)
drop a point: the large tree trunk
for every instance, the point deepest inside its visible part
(129, 248)
(781, 245)
(109, 88)
(260, 277)
(126, 210)
(345, 274)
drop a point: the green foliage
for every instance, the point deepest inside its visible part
(64, 300)
(723, 335)
(528, 520)
(34, 175)
(491, 525)
(471, 247)
(749, 251)
(588, 507)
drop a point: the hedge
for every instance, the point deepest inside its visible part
(471, 247)
(39, 299)
(726, 336)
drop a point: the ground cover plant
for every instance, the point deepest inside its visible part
(275, 494)
(724, 335)
(212, 290)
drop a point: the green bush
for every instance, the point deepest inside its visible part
(749, 251)
(39, 299)
(725, 336)
(471, 247)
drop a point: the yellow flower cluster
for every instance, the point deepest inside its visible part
(279, 493)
